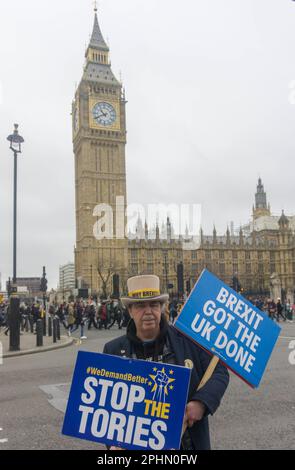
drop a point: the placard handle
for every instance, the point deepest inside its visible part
(208, 374)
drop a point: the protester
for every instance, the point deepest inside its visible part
(149, 337)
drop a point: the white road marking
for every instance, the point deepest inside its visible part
(58, 395)
(2, 441)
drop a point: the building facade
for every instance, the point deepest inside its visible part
(261, 251)
(67, 277)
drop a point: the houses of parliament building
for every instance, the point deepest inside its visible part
(260, 252)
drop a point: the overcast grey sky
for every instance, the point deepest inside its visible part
(208, 111)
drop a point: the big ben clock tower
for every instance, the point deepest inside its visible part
(99, 140)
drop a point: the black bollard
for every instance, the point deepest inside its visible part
(58, 329)
(54, 329)
(49, 326)
(44, 324)
(39, 331)
(14, 324)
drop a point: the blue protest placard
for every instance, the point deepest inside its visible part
(127, 403)
(229, 327)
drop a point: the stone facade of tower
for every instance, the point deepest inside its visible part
(99, 140)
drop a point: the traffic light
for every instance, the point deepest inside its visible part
(116, 286)
(43, 286)
(188, 286)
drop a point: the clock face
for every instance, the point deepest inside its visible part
(104, 114)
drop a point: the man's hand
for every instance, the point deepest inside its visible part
(195, 411)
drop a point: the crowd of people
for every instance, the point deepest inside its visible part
(275, 310)
(85, 314)
(29, 314)
(105, 314)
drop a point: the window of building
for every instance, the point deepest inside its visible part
(134, 268)
(134, 254)
(194, 268)
(208, 255)
(150, 268)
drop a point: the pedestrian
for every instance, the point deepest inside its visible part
(79, 319)
(60, 313)
(271, 308)
(91, 314)
(288, 310)
(173, 312)
(117, 316)
(280, 311)
(149, 337)
(71, 317)
(102, 314)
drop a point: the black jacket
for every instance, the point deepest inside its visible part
(210, 394)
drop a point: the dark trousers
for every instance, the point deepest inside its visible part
(90, 322)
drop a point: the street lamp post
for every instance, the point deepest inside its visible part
(14, 318)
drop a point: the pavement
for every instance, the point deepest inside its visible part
(28, 344)
(34, 392)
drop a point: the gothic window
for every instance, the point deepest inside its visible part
(150, 256)
(222, 268)
(150, 268)
(134, 255)
(221, 255)
(134, 268)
